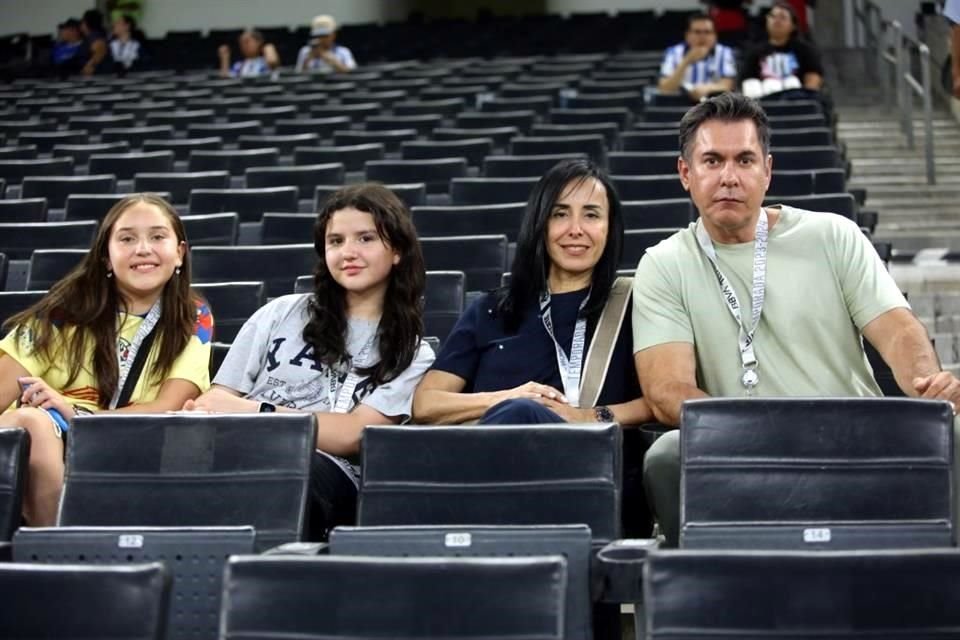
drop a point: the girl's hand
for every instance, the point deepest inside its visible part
(220, 401)
(37, 393)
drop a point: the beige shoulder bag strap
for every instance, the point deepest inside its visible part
(604, 338)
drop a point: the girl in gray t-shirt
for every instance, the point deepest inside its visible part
(351, 352)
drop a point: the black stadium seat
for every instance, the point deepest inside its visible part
(23, 210)
(14, 460)
(49, 266)
(593, 145)
(182, 147)
(14, 171)
(250, 204)
(436, 174)
(94, 206)
(287, 228)
(474, 150)
(45, 141)
(468, 219)
(412, 194)
(56, 189)
(232, 303)
(276, 266)
(304, 177)
(137, 136)
(17, 241)
(390, 139)
(658, 214)
(286, 143)
(81, 152)
(490, 190)
(322, 127)
(523, 166)
(840, 203)
(353, 157)
(236, 161)
(125, 165)
(211, 229)
(180, 184)
(227, 131)
(483, 258)
(11, 303)
(663, 187)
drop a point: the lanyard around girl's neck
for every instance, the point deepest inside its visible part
(125, 362)
(340, 396)
(748, 358)
(569, 367)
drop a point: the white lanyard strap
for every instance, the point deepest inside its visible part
(569, 367)
(748, 357)
(340, 395)
(124, 363)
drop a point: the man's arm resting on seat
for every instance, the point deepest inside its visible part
(905, 346)
(668, 377)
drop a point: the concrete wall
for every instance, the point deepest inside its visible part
(17, 16)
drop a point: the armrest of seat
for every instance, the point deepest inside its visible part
(299, 549)
(619, 570)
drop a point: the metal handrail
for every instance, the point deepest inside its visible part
(871, 32)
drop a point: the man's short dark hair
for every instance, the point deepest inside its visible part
(697, 17)
(727, 107)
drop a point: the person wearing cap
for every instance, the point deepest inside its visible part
(322, 53)
(259, 57)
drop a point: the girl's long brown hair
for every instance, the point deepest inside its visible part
(88, 301)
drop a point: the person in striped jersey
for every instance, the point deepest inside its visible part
(698, 65)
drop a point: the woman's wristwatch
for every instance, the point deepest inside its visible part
(603, 414)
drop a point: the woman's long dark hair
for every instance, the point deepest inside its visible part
(401, 324)
(88, 300)
(531, 264)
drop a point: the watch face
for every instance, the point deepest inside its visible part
(604, 414)
(266, 407)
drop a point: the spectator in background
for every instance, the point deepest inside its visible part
(68, 56)
(259, 57)
(784, 60)
(95, 41)
(322, 53)
(126, 47)
(698, 65)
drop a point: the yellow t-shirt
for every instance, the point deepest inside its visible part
(192, 365)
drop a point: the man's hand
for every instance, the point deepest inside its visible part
(939, 386)
(696, 54)
(567, 412)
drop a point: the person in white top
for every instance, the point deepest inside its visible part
(259, 57)
(125, 47)
(322, 53)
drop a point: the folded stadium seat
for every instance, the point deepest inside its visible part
(304, 177)
(302, 101)
(125, 165)
(722, 595)
(435, 173)
(658, 214)
(81, 152)
(227, 131)
(443, 302)
(23, 210)
(791, 183)
(18, 240)
(446, 107)
(442, 598)
(181, 96)
(814, 121)
(490, 190)
(14, 457)
(277, 266)
(662, 187)
(777, 108)
(482, 258)
(182, 147)
(11, 303)
(501, 136)
(407, 87)
(255, 90)
(353, 157)
(521, 119)
(232, 304)
(474, 150)
(408, 481)
(533, 88)
(189, 470)
(468, 219)
(621, 115)
(813, 137)
(840, 203)
(180, 119)
(94, 206)
(665, 115)
(95, 124)
(62, 113)
(539, 104)
(219, 104)
(236, 161)
(321, 127)
(266, 115)
(13, 128)
(287, 228)
(124, 92)
(140, 109)
(644, 163)
(218, 353)
(356, 112)
(194, 558)
(14, 171)
(285, 143)
(56, 188)
(523, 166)
(878, 475)
(303, 284)
(211, 228)
(49, 266)
(468, 92)
(593, 145)
(829, 181)
(179, 184)
(809, 158)
(609, 86)
(334, 89)
(609, 130)
(412, 194)
(390, 139)
(250, 204)
(88, 598)
(583, 100)
(24, 152)
(640, 140)
(423, 123)
(637, 241)
(383, 98)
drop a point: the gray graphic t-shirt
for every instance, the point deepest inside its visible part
(270, 362)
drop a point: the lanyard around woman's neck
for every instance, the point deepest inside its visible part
(571, 367)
